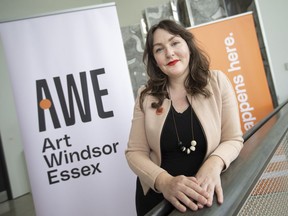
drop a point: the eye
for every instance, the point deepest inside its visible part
(174, 43)
(158, 50)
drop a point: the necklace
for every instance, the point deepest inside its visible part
(193, 143)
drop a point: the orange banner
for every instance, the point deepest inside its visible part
(232, 46)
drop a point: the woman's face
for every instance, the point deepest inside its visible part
(171, 53)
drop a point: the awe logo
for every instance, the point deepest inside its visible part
(45, 100)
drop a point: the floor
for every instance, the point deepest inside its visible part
(21, 206)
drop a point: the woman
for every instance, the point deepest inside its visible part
(185, 129)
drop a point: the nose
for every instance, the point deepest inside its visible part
(169, 52)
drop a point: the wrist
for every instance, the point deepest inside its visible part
(217, 162)
(161, 180)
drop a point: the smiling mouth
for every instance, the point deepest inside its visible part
(172, 62)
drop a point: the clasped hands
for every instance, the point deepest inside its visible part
(193, 192)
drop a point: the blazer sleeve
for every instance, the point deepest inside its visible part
(231, 141)
(138, 150)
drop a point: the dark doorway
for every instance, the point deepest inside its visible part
(5, 192)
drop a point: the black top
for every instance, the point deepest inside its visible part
(173, 159)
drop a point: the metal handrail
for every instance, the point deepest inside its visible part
(260, 143)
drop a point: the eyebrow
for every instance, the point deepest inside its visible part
(170, 39)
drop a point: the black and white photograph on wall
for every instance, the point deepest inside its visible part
(235, 7)
(134, 48)
(153, 15)
(203, 11)
(185, 17)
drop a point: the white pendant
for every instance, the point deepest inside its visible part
(193, 143)
(192, 148)
(188, 151)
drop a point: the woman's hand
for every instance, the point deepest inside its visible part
(181, 191)
(209, 179)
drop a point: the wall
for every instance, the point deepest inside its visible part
(130, 11)
(9, 130)
(273, 18)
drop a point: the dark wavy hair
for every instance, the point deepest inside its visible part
(199, 64)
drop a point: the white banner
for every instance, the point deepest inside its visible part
(74, 102)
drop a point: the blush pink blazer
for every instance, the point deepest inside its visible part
(218, 115)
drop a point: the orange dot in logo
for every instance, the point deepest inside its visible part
(45, 104)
